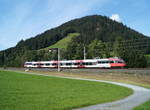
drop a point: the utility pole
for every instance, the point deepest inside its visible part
(58, 69)
(4, 60)
(58, 57)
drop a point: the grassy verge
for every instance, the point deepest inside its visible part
(64, 42)
(145, 106)
(135, 79)
(31, 92)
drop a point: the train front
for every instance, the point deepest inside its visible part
(117, 63)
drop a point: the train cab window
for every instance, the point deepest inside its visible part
(119, 61)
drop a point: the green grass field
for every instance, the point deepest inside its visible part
(31, 92)
(145, 106)
(64, 42)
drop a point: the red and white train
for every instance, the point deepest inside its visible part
(88, 63)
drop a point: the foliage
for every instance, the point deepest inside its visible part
(148, 59)
(97, 48)
(30, 92)
(133, 56)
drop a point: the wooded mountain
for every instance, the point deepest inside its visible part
(93, 31)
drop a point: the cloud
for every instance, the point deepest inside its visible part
(115, 17)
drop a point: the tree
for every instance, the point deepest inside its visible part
(97, 49)
(127, 50)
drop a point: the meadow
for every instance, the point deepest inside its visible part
(63, 43)
(31, 92)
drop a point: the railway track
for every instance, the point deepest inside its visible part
(140, 71)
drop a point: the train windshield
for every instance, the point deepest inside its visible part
(119, 61)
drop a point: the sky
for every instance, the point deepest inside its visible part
(22, 19)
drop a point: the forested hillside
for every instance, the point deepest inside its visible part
(100, 36)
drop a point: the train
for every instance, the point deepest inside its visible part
(87, 63)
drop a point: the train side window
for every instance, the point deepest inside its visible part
(47, 64)
(90, 63)
(94, 63)
(84, 63)
(99, 62)
(106, 61)
(74, 63)
(102, 62)
(78, 63)
(54, 64)
(111, 61)
(61, 64)
(68, 64)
